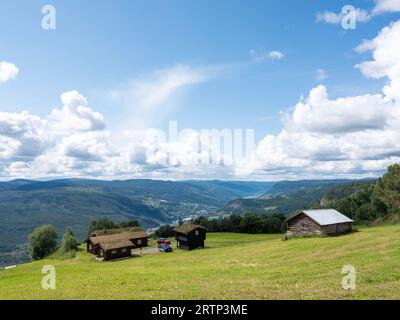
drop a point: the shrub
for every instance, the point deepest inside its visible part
(42, 242)
(69, 242)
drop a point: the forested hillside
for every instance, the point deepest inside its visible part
(368, 202)
(285, 198)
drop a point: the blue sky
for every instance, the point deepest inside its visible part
(100, 46)
(103, 47)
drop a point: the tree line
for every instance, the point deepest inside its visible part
(248, 223)
(108, 224)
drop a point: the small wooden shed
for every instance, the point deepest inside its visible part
(190, 236)
(115, 250)
(322, 221)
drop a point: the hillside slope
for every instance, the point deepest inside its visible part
(26, 204)
(233, 266)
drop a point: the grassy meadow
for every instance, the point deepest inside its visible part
(233, 266)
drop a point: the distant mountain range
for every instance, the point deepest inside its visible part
(284, 197)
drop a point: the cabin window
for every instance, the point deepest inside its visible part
(139, 241)
(113, 251)
(196, 232)
(123, 250)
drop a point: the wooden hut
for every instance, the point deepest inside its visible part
(189, 236)
(116, 245)
(115, 250)
(323, 222)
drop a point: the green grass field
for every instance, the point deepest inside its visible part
(233, 266)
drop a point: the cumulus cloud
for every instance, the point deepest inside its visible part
(261, 55)
(59, 144)
(22, 136)
(75, 115)
(383, 6)
(386, 63)
(8, 71)
(318, 113)
(88, 146)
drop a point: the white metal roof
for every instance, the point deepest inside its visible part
(326, 217)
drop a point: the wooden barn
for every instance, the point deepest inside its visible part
(189, 236)
(322, 221)
(115, 245)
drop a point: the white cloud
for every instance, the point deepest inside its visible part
(61, 144)
(336, 18)
(22, 136)
(8, 71)
(276, 55)
(386, 63)
(89, 146)
(329, 17)
(320, 114)
(166, 82)
(383, 6)
(152, 92)
(75, 115)
(321, 75)
(148, 100)
(262, 55)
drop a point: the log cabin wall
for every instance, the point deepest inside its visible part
(337, 228)
(91, 248)
(117, 253)
(302, 224)
(140, 242)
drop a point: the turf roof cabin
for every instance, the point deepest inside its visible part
(190, 236)
(109, 246)
(319, 222)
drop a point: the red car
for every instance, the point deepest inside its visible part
(163, 241)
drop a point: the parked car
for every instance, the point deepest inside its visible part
(163, 240)
(163, 247)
